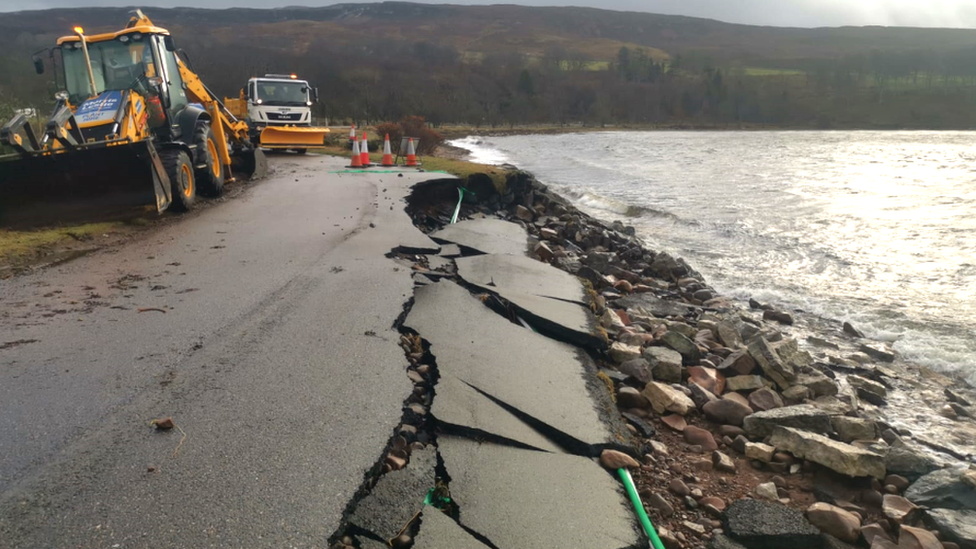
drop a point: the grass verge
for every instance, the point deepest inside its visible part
(458, 168)
(23, 246)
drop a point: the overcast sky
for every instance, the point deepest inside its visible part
(797, 13)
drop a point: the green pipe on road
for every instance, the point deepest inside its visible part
(457, 210)
(639, 507)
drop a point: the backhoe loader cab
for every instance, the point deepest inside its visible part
(131, 112)
(137, 62)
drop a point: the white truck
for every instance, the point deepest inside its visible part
(278, 111)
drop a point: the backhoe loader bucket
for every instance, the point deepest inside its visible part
(250, 162)
(293, 137)
(81, 184)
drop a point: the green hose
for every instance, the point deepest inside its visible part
(639, 507)
(458, 209)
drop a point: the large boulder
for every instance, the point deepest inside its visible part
(772, 365)
(909, 460)
(869, 390)
(744, 383)
(759, 451)
(944, 488)
(761, 525)
(700, 437)
(789, 352)
(837, 456)
(638, 369)
(709, 378)
(956, 525)
(835, 521)
(740, 362)
(665, 398)
(878, 352)
(700, 395)
(728, 334)
(917, 538)
(898, 509)
(765, 399)
(726, 411)
(819, 384)
(629, 397)
(665, 363)
(802, 416)
(621, 352)
(839, 405)
(849, 429)
(797, 394)
(689, 351)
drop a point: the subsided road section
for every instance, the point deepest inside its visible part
(263, 326)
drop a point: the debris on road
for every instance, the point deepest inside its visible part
(163, 424)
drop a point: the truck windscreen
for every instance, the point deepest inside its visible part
(282, 93)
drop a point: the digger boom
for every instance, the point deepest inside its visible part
(226, 127)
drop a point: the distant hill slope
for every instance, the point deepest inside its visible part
(487, 63)
(508, 28)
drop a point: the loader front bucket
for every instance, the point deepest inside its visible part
(250, 162)
(293, 137)
(80, 185)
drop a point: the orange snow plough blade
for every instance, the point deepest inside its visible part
(293, 137)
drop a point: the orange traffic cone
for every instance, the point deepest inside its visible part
(364, 152)
(352, 132)
(411, 154)
(387, 154)
(357, 159)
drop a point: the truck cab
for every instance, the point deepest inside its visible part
(278, 100)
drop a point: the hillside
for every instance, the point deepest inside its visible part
(513, 64)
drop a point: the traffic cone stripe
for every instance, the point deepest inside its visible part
(364, 152)
(387, 153)
(357, 161)
(411, 154)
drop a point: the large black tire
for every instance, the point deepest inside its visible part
(210, 177)
(301, 151)
(180, 171)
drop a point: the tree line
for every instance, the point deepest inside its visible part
(367, 82)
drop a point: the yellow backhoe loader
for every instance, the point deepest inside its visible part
(278, 110)
(132, 125)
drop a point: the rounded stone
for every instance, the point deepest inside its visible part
(835, 521)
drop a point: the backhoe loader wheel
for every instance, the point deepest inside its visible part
(301, 151)
(211, 177)
(180, 171)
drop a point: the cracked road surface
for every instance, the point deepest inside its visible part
(263, 326)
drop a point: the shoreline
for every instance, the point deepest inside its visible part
(720, 382)
(820, 333)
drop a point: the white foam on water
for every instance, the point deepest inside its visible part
(589, 198)
(480, 151)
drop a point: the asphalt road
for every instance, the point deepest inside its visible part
(275, 356)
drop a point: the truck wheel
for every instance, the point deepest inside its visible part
(211, 177)
(180, 172)
(301, 151)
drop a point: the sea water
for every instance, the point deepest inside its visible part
(875, 228)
